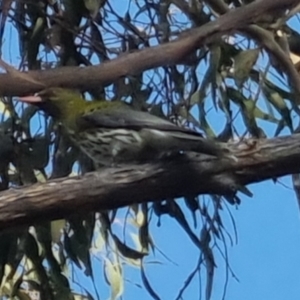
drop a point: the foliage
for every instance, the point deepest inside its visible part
(232, 82)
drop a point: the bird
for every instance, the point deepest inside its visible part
(112, 132)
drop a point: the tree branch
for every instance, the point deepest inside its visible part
(266, 39)
(257, 160)
(133, 63)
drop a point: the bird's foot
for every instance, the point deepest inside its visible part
(171, 155)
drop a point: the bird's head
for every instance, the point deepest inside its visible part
(57, 102)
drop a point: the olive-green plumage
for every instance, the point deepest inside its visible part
(111, 132)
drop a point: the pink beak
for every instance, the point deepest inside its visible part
(31, 99)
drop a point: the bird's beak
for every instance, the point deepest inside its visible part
(31, 99)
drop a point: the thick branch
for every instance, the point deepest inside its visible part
(133, 63)
(118, 187)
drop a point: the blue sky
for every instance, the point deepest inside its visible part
(266, 258)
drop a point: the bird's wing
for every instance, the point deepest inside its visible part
(131, 119)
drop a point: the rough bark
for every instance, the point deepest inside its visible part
(145, 59)
(257, 160)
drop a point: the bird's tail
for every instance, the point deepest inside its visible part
(200, 144)
(185, 141)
